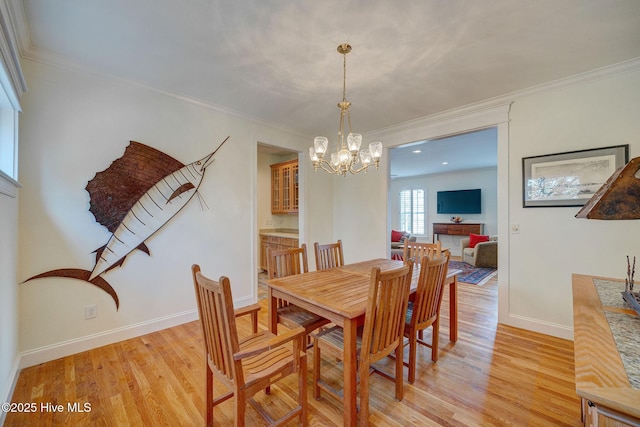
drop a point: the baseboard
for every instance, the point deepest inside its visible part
(66, 348)
(536, 325)
(7, 394)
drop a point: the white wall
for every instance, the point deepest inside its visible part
(484, 179)
(74, 125)
(552, 243)
(8, 295)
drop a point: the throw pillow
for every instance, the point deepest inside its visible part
(396, 235)
(474, 239)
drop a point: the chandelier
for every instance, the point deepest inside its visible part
(348, 157)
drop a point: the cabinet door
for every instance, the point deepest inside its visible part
(264, 242)
(276, 189)
(286, 188)
(294, 187)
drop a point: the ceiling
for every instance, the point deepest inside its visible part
(276, 61)
(471, 150)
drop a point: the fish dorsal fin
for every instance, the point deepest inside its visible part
(116, 189)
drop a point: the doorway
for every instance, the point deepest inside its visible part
(271, 227)
(460, 162)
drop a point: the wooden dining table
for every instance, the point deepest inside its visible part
(340, 295)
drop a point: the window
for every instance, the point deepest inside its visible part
(12, 86)
(412, 211)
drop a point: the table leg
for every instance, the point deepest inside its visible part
(453, 309)
(350, 373)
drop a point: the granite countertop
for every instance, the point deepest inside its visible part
(288, 233)
(624, 327)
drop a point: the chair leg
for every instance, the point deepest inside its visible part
(364, 395)
(399, 376)
(241, 406)
(413, 344)
(316, 369)
(302, 390)
(434, 340)
(208, 394)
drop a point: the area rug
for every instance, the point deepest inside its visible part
(471, 274)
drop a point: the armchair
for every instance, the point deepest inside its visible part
(484, 254)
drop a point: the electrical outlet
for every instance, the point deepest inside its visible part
(90, 311)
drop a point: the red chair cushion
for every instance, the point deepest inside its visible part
(396, 235)
(474, 239)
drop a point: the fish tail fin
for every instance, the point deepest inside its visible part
(79, 274)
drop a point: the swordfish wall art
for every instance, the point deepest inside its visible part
(134, 198)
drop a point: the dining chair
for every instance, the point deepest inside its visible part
(245, 366)
(382, 335)
(286, 262)
(328, 255)
(424, 310)
(415, 251)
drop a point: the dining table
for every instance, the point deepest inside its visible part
(340, 295)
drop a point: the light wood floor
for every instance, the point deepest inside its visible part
(493, 376)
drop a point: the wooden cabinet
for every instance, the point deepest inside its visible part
(456, 229)
(602, 379)
(274, 242)
(284, 187)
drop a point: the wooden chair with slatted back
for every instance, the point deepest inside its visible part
(249, 365)
(382, 335)
(415, 251)
(286, 262)
(328, 255)
(424, 310)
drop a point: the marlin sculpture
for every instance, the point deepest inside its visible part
(134, 198)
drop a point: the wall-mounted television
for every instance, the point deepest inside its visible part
(459, 202)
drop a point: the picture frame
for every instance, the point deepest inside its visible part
(570, 178)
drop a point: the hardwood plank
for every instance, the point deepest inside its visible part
(493, 375)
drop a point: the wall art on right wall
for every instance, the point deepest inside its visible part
(570, 178)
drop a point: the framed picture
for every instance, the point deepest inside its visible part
(571, 178)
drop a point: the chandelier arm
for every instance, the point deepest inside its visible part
(355, 171)
(327, 167)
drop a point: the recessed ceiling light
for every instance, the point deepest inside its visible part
(417, 151)
(445, 163)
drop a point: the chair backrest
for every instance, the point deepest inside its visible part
(428, 297)
(215, 306)
(329, 255)
(287, 262)
(386, 311)
(415, 251)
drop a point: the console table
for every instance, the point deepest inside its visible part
(452, 229)
(606, 350)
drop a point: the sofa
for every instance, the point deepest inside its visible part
(397, 243)
(480, 251)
